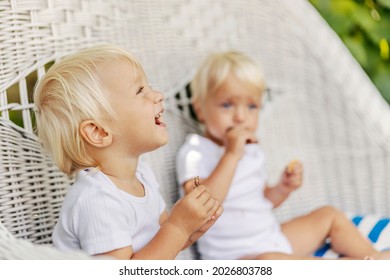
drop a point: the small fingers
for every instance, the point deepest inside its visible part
(216, 211)
(295, 166)
(198, 191)
(291, 166)
(293, 182)
(205, 199)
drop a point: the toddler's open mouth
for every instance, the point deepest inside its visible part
(158, 119)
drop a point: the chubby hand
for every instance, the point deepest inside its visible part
(197, 234)
(237, 137)
(217, 213)
(292, 176)
(194, 210)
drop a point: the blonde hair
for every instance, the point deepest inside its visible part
(71, 92)
(217, 66)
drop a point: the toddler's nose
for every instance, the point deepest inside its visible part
(239, 115)
(158, 96)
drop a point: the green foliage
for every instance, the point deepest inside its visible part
(364, 27)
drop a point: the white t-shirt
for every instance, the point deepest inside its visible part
(247, 226)
(98, 217)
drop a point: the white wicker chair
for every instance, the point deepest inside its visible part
(320, 107)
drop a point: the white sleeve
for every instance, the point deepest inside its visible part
(102, 223)
(191, 162)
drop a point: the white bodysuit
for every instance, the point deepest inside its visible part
(247, 226)
(97, 217)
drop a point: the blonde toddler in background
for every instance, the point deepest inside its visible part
(227, 92)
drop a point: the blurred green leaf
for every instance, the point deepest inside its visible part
(382, 81)
(356, 46)
(374, 60)
(341, 25)
(363, 18)
(385, 3)
(384, 49)
(364, 27)
(341, 20)
(343, 7)
(378, 31)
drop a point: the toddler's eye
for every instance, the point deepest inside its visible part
(252, 106)
(226, 105)
(140, 90)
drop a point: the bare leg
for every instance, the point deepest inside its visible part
(307, 233)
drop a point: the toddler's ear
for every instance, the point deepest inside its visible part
(94, 134)
(198, 110)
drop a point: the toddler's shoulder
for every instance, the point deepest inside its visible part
(196, 142)
(91, 187)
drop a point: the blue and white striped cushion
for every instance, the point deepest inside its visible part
(374, 227)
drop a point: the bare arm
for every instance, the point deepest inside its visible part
(290, 180)
(163, 246)
(276, 194)
(218, 209)
(221, 177)
(188, 215)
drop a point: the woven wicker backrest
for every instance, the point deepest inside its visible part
(320, 107)
(31, 187)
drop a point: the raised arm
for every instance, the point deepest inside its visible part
(290, 180)
(221, 177)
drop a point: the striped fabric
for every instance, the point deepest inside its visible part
(376, 228)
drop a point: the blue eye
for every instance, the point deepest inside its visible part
(226, 105)
(253, 106)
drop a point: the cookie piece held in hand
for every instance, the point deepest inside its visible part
(291, 166)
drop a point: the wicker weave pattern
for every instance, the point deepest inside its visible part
(31, 188)
(320, 108)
